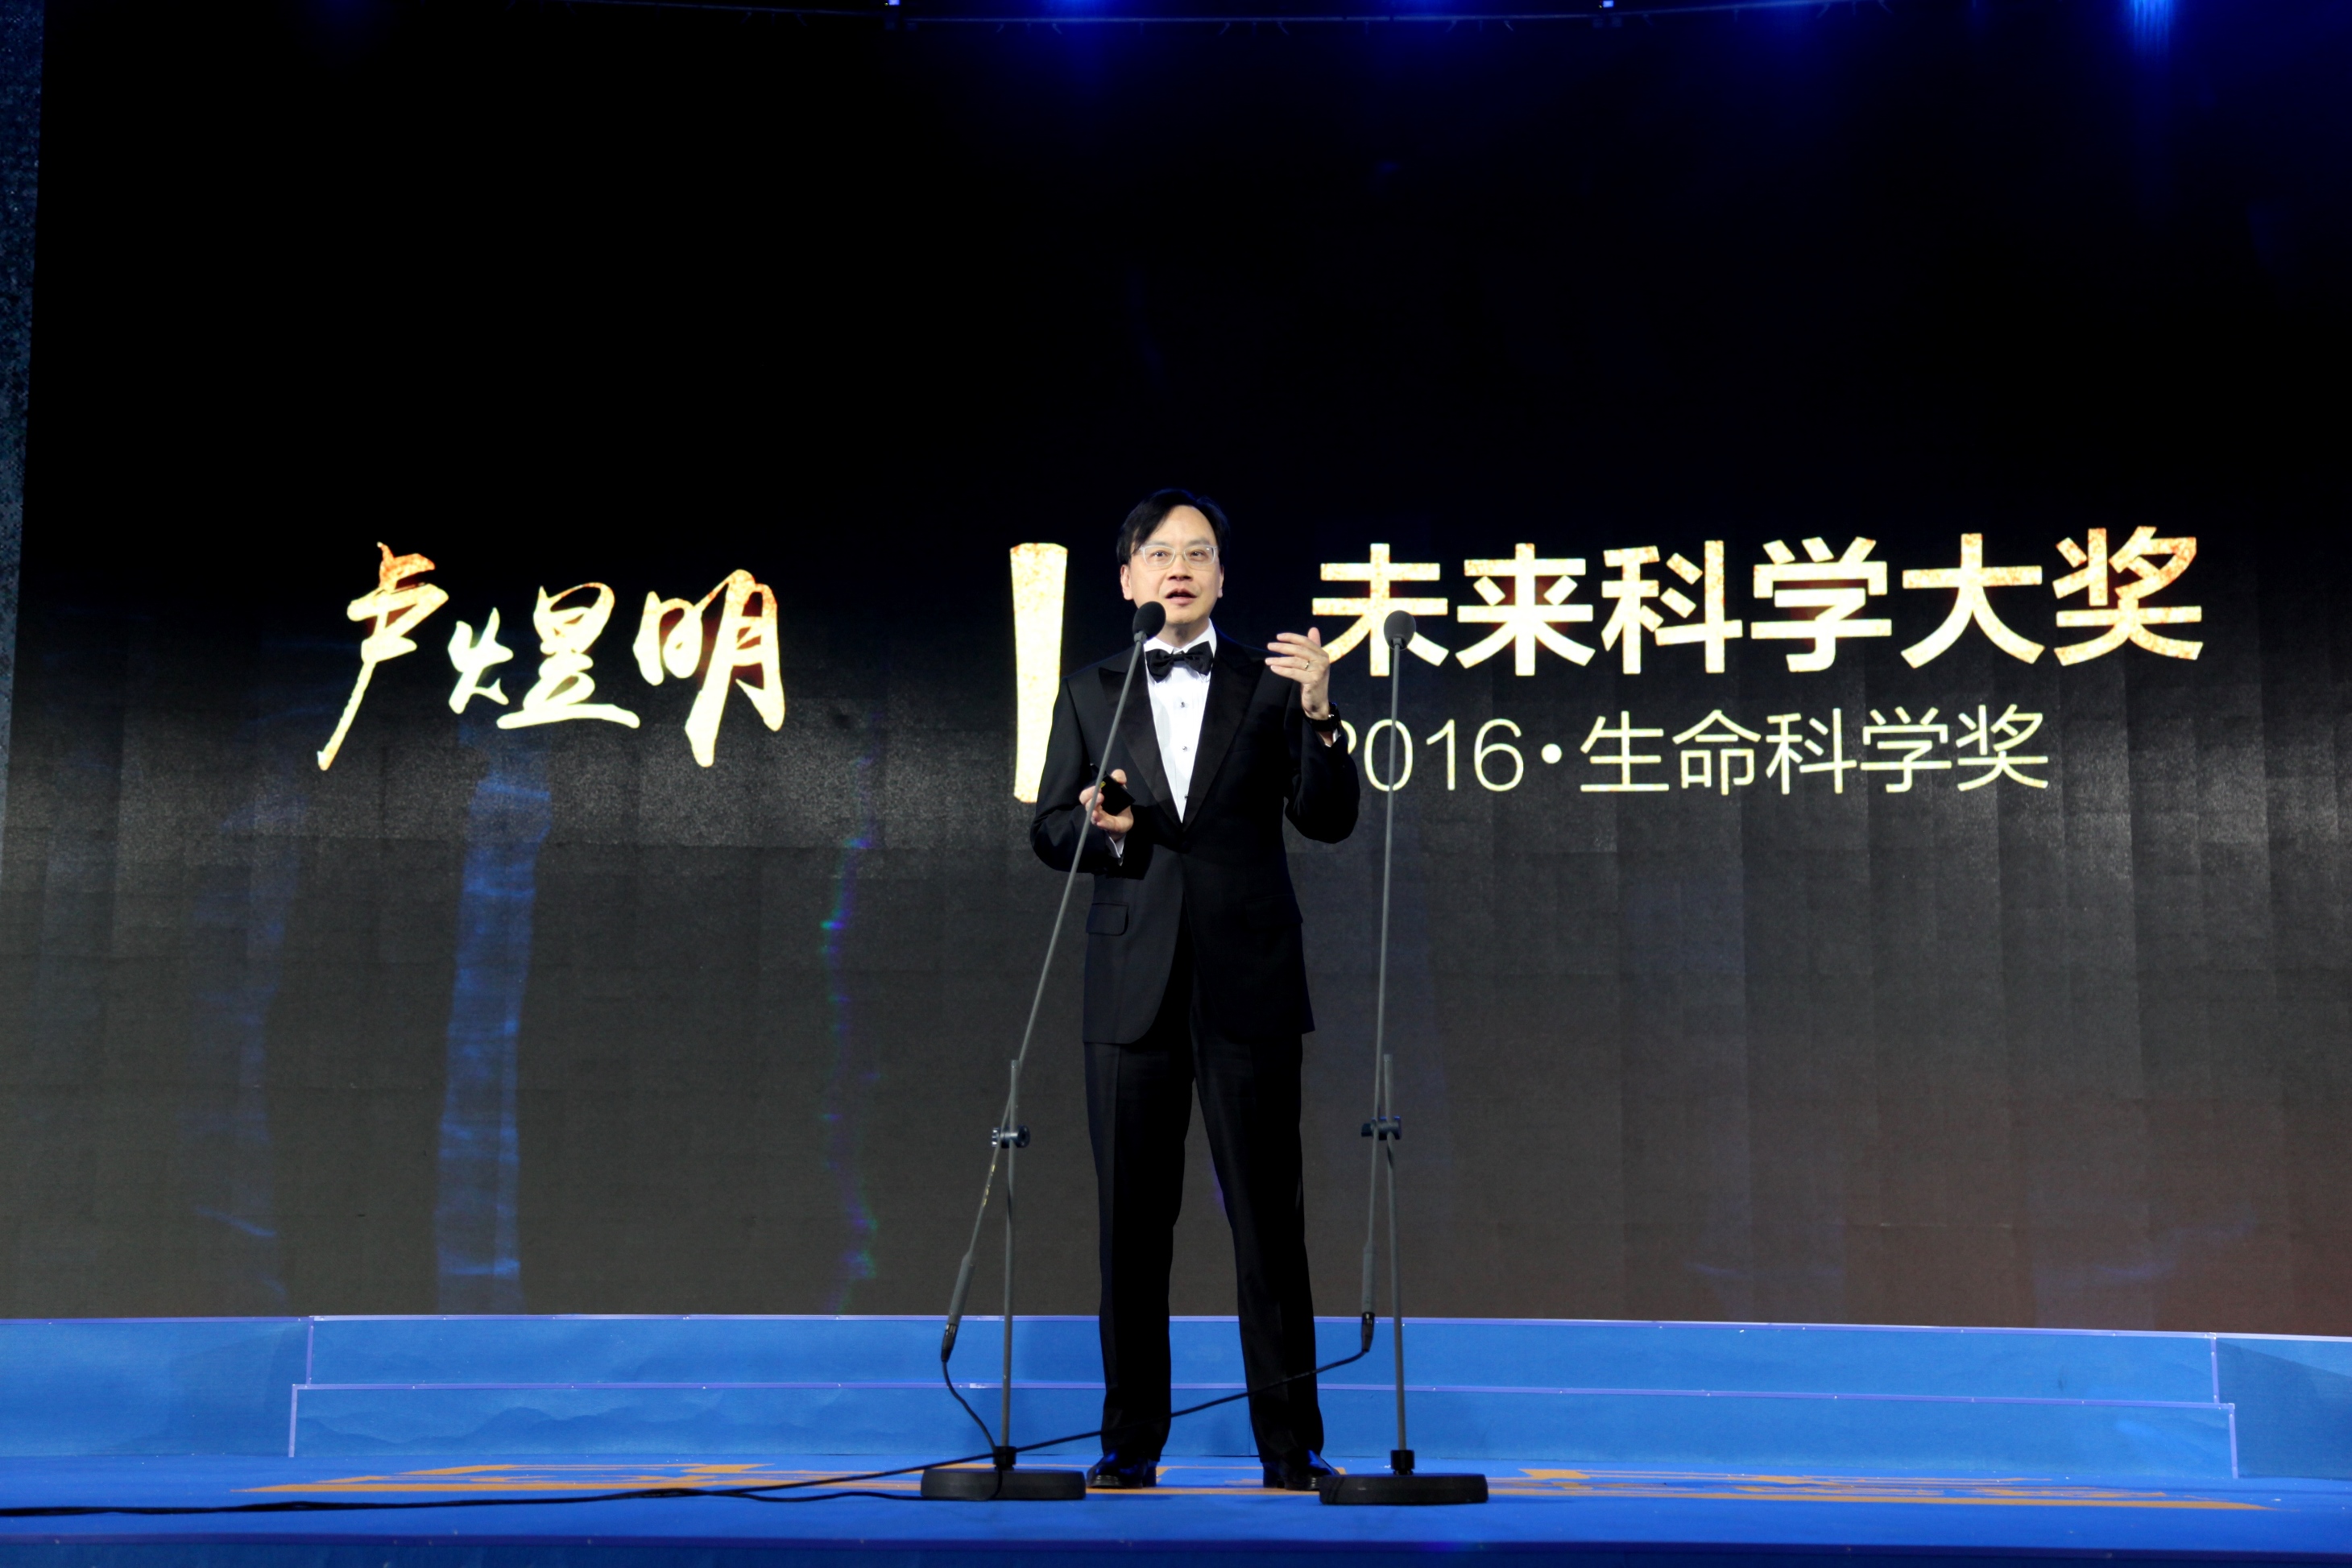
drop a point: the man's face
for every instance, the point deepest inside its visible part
(1162, 569)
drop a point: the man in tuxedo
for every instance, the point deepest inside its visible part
(1195, 981)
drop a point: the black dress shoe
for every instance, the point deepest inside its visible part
(1305, 1471)
(1115, 1473)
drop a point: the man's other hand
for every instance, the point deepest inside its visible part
(1302, 659)
(1122, 824)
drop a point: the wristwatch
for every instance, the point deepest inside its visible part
(1329, 724)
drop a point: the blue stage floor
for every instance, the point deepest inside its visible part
(1690, 1441)
(1207, 1510)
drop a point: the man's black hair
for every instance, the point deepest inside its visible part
(1153, 509)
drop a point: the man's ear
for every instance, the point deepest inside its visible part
(1125, 591)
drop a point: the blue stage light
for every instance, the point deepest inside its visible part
(2151, 23)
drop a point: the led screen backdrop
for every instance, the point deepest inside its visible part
(537, 582)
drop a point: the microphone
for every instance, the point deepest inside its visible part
(1151, 615)
(1398, 628)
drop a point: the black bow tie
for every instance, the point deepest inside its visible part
(1196, 658)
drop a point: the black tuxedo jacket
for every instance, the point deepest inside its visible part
(1219, 870)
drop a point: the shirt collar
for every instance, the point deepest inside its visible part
(1209, 637)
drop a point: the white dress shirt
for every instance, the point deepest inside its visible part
(1178, 701)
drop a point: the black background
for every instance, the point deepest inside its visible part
(552, 294)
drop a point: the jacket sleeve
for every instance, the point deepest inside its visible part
(1323, 788)
(1069, 769)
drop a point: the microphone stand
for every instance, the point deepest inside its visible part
(1401, 1484)
(1002, 1482)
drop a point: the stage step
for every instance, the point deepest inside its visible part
(2016, 1363)
(1671, 1429)
(1708, 1395)
(1671, 1396)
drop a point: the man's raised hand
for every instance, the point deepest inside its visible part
(1302, 659)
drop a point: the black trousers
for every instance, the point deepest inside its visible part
(1138, 1108)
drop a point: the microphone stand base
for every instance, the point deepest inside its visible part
(1402, 1489)
(985, 1483)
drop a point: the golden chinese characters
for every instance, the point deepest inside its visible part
(1527, 600)
(395, 607)
(566, 632)
(2130, 616)
(745, 640)
(1371, 612)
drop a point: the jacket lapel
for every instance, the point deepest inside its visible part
(1232, 681)
(1138, 752)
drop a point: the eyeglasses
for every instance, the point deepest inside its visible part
(1160, 557)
